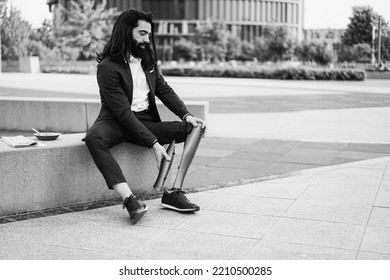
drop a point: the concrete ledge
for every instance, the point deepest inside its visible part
(378, 75)
(68, 115)
(63, 173)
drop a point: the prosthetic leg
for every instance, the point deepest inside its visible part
(189, 150)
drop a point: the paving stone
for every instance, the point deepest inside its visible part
(372, 256)
(286, 167)
(217, 175)
(386, 176)
(213, 152)
(268, 189)
(309, 156)
(323, 145)
(250, 205)
(221, 145)
(205, 198)
(228, 140)
(372, 148)
(195, 246)
(115, 216)
(351, 175)
(383, 196)
(201, 160)
(360, 155)
(228, 223)
(254, 156)
(380, 216)
(275, 250)
(271, 146)
(77, 234)
(318, 233)
(339, 160)
(15, 250)
(331, 210)
(376, 163)
(376, 239)
(340, 190)
(241, 163)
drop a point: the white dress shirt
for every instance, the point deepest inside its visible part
(140, 86)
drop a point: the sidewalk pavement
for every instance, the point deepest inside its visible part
(335, 212)
(311, 184)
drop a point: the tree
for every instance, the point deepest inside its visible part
(212, 41)
(261, 49)
(185, 49)
(15, 34)
(233, 47)
(280, 43)
(276, 44)
(319, 52)
(385, 50)
(359, 30)
(247, 51)
(85, 26)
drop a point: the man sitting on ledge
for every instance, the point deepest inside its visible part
(129, 80)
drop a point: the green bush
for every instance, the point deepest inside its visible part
(281, 73)
(68, 67)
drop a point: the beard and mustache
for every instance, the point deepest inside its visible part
(143, 51)
(140, 50)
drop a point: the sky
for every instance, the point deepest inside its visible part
(318, 13)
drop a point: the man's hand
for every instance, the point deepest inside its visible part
(160, 153)
(194, 121)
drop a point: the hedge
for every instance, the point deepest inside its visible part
(281, 73)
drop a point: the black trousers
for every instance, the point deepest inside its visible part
(105, 134)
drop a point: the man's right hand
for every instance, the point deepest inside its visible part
(160, 153)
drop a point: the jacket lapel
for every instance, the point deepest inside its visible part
(128, 87)
(151, 79)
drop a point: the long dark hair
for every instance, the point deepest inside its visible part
(119, 45)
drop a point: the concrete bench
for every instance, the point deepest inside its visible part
(67, 115)
(62, 172)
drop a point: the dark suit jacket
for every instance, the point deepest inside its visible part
(116, 93)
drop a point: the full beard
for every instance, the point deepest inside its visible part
(139, 50)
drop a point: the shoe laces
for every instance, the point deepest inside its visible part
(181, 194)
(134, 202)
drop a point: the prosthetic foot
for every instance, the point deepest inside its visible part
(165, 167)
(189, 150)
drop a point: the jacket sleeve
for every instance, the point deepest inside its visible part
(168, 96)
(111, 89)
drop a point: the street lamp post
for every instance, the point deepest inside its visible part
(2, 14)
(373, 44)
(379, 41)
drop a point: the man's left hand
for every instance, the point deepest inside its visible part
(194, 121)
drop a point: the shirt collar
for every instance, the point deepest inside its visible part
(135, 60)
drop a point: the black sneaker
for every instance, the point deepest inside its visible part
(136, 208)
(176, 200)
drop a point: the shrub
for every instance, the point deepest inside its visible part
(259, 72)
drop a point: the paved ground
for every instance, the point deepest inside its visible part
(288, 170)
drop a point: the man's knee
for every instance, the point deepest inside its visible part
(189, 128)
(94, 139)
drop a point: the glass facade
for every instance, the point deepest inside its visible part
(244, 18)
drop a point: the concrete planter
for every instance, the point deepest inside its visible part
(29, 64)
(378, 75)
